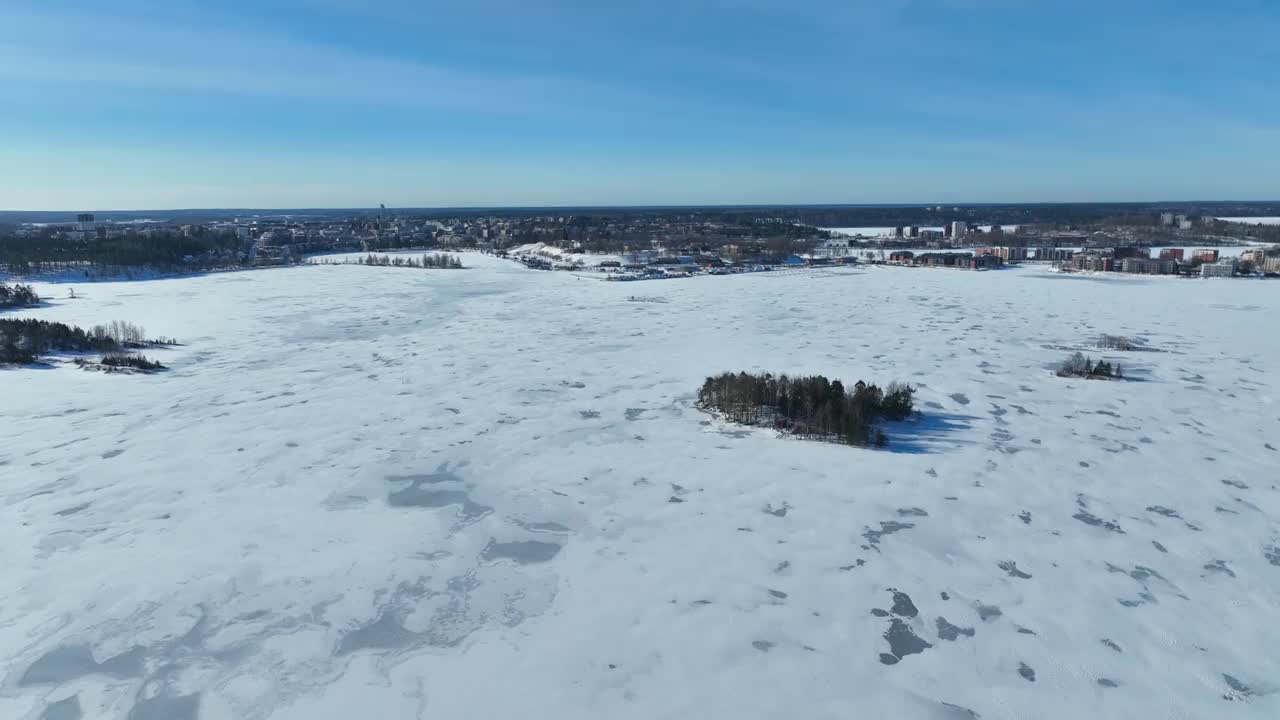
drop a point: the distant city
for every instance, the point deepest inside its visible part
(649, 243)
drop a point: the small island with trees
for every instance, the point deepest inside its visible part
(25, 342)
(1084, 367)
(18, 296)
(810, 407)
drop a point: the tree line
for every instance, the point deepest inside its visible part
(17, 296)
(155, 247)
(24, 341)
(809, 406)
(440, 261)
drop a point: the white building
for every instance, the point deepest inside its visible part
(959, 229)
(1257, 256)
(1225, 267)
(835, 248)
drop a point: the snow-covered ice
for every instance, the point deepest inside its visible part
(863, 231)
(486, 493)
(1253, 220)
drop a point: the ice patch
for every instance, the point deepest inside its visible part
(947, 631)
(902, 642)
(523, 552)
(69, 662)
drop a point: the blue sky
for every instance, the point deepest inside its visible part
(137, 104)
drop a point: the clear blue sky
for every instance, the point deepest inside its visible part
(135, 104)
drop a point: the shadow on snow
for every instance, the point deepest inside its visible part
(928, 433)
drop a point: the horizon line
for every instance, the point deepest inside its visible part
(659, 206)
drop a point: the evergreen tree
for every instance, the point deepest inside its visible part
(810, 406)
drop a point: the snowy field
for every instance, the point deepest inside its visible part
(862, 231)
(555, 254)
(1253, 220)
(1224, 251)
(400, 493)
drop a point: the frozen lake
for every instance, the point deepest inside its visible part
(486, 493)
(1253, 220)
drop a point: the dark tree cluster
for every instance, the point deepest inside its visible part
(130, 360)
(160, 248)
(17, 296)
(24, 341)
(811, 406)
(1080, 366)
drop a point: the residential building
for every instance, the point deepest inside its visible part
(963, 261)
(983, 262)
(1225, 267)
(1172, 254)
(1129, 251)
(938, 259)
(1271, 265)
(1093, 262)
(1054, 254)
(835, 247)
(959, 229)
(1100, 240)
(1149, 266)
(1254, 255)
(1011, 254)
(1166, 218)
(1206, 255)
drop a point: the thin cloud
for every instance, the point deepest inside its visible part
(68, 49)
